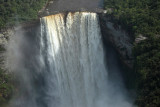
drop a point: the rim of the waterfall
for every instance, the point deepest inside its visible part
(68, 12)
(48, 9)
(96, 10)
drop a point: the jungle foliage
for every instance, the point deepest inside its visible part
(17, 11)
(13, 12)
(6, 87)
(136, 16)
(142, 17)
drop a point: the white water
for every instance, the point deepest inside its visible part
(65, 65)
(76, 57)
(76, 54)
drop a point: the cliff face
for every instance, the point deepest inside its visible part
(111, 33)
(119, 38)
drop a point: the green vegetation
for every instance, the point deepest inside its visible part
(147, 66)
(6, 87)
(13, 12)
(16, 11)
(142, 17)
(136, 16)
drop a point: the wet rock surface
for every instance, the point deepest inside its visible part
(119, 38)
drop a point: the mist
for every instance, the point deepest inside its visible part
(23, 62)
(32, 59)
(63, 62)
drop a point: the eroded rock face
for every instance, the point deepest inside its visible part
(122, 41)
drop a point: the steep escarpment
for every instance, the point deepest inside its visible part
(142, 22)
(131, 27)
(65, 51)
(119, 38)
(29, 31)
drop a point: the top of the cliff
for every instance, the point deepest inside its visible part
(59, 6)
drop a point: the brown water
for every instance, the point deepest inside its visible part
(58, 6)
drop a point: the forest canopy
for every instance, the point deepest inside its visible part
(137, 16)
(15, 11)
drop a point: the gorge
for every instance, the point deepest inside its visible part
(63, 61)
(64, 65)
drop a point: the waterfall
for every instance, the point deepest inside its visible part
(63, 65)
(75, 58)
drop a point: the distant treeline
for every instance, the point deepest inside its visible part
(137, 16)
(142, 17)
(15, 11)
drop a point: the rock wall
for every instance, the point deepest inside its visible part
(119, 38)
(111, 33)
